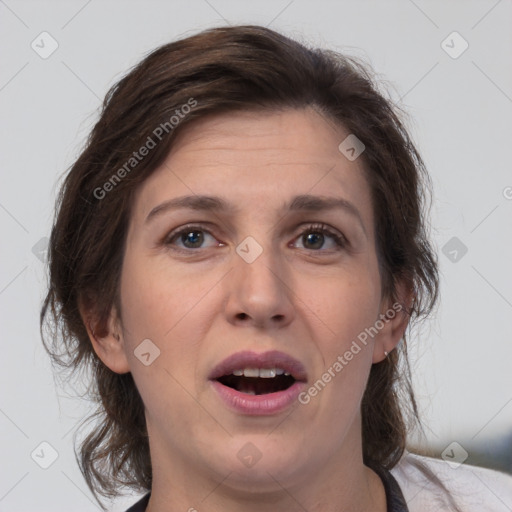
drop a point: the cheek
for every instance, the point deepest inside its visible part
(342, 307)
(156, 297)
(171, 307)
(165, 307)
(343, 304)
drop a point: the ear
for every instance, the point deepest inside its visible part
(393, 318)
(107, 339)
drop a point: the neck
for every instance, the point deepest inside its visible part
(340, 483)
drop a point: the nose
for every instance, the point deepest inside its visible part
(260, 292)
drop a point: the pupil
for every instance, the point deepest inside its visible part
(312, 237)
(193, 237)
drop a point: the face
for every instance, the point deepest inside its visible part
(202, 283)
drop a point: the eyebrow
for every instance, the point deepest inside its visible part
(304, 202)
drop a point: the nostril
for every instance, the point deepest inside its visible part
(242, 316)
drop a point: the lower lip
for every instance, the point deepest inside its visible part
(258, 405)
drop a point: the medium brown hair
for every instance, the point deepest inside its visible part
(223, 70)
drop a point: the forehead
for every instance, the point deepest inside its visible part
(258, 158)
(283, 137)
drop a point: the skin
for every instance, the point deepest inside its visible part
(198, 307)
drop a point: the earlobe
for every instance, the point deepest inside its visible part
(108, 342)
(394, 320)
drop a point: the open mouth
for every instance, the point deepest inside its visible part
(270, 373)
(257, 385)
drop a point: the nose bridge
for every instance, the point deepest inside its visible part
(259, 289)
(258, 266)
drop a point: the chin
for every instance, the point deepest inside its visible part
(257, 464)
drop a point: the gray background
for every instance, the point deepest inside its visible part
(461, 119)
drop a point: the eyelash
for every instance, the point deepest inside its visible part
(340, 240)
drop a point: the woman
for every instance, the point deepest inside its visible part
(237, 255)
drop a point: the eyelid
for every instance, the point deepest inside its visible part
(192, 226)
(320, 227)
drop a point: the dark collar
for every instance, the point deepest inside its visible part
(141, 505)
(395, 500)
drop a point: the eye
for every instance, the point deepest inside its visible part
(315, 235)
(190, 237)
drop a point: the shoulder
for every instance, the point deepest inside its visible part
(472, 488)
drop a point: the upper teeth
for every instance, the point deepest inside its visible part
(265, 373)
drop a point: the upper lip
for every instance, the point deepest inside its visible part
(270, 359)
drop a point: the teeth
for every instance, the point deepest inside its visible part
(264, 373)
(251, 372)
